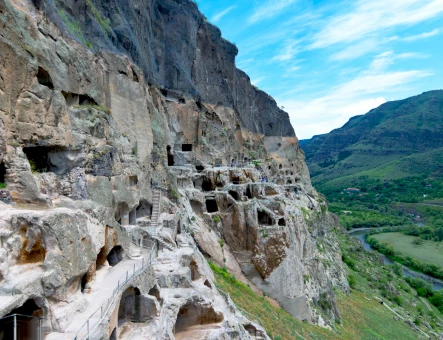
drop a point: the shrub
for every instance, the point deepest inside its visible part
(352, 281)
(2, 185)
(216, 218)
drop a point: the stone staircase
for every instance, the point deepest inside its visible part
(155, 207)
(153, 233)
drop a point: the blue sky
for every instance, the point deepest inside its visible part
(326, 61)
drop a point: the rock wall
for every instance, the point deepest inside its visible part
(104, 104)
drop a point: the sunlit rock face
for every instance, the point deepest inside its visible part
(116, 119)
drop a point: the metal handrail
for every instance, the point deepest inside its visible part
(14, 316)
(107, 305)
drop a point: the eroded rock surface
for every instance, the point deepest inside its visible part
(129, 153)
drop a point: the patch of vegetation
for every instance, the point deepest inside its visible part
(174, 195)
(423, 258)
(104, 23)
(216, 218)
(2, 185)
(74, 28)
(362, 316)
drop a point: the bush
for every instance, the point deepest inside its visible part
(216, 218)
(352, 281)
(2, 185)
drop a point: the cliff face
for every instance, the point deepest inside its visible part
(177, 49)
(131, 118)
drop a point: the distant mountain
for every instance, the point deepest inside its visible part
(397, 139)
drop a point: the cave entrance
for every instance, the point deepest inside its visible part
(282, 222)
(264, 218)
(207, 185)
(280, 166)
(170, 156)
(155, 293)
(144, 209)
(193, 314)
(84, 99)
(113, 335)
(83, 282)
(2, 172)
(200, 168)
(27, 328)
(133, 217)
(249, 192)
(235, 180)
(115, 256)
(234, 194)
(44, 78)
(211, 205)
(39, 158)
(186, 147)
(133, 181)
(135, 307)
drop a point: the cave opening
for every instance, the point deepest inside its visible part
(280, 166)
(29, 308)
(193, 314)
(207, 185)
(135, 307)
(2, 172)
(133, 180)
(113, 335)
(289, 181)
(39, 158)
(235, 180)
(44, 78)
(211, 205)
(27, 328)
(144, 209)
(115, 256)
(234, 194)
(84, 99)
(83, 282)
(186, 147)
(249, 193)
(282, 222)
(264, 218)
(170, 156)
(199, 168)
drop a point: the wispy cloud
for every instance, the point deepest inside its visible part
(368, 17)
(422, 35)
(217, 17)
(356, 50)
(269, 9)
(357, 96)
(257, 80)
(289, 50)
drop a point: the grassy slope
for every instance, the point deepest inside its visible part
(428, 251)
(362, 316)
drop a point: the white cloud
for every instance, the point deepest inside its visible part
(356, 50)
(358, 96)
(256, 81)
(269, 9)
(369, 17)
(289, 51)
(217, 17)
(422, 35)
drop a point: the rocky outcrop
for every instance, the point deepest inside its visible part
(100, 106)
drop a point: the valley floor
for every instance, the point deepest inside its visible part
(427, 251)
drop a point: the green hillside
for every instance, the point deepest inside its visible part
(393, 155)
(398, 139)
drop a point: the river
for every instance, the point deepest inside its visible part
(361, 235)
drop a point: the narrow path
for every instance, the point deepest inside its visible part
(429, 307)
(102, 290)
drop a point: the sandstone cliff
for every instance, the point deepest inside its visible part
(131, 145)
